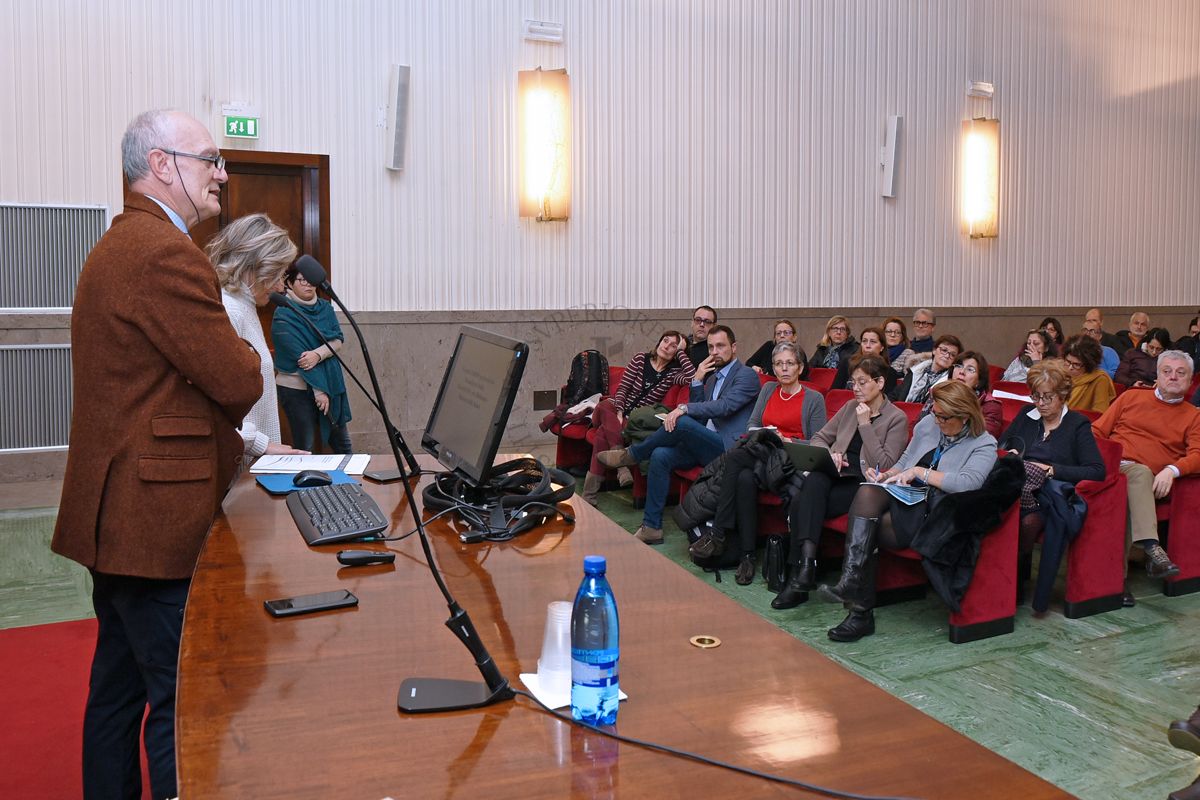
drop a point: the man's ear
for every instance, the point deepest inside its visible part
(160, 166)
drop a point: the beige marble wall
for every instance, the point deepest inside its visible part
(410, 352)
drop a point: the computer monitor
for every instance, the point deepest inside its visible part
(473, 403)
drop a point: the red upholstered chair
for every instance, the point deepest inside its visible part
(835, 399)
(1009, 409)
(1181, 511)
(995, 375)
(1096, 559)
(912, 411)
(574, 447)
(822, 378)
(1012, 387)
(1092, 415)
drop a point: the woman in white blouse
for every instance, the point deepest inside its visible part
(251, 255)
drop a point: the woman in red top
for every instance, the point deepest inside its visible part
(796, 413)
(645, 382)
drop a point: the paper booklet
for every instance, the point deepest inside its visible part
(351, 465)
(909, 495)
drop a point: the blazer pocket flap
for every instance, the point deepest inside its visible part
(164, 469)
(164, 425)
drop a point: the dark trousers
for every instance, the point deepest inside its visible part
(137, 655)
(737, 501)
(820, 498)
(304, 418)
(690, 444)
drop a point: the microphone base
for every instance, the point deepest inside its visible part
(428, 695)
(383, 475)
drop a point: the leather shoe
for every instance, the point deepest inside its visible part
(624, 478)
(711, 543)
(1185, 733)
(1187, 793)
(616, 458)
(792, 594)
(1128, 600)
(745, 571)
(855, 626)
(649, 535)
(1158, 564)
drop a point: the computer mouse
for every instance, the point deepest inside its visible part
(308, 478)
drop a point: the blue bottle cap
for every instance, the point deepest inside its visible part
(594, 565)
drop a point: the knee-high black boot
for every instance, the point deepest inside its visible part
(860, 621)
(860, 544)
(802, 578)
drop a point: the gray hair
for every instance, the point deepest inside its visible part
(787, 347)
(926, 311)
(1175, 355)
(147, 131)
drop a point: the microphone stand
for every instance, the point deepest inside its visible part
(423, 695)
(387, 476)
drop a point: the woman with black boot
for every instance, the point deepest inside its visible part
(868, 432)
(951, 451)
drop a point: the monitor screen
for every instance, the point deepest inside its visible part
(474, 401)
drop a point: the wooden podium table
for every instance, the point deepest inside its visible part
(306, 707)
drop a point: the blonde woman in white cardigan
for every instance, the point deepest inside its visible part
(251, 256)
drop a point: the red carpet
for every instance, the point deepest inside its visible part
(42, 695)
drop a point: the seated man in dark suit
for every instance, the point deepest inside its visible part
(722, 396)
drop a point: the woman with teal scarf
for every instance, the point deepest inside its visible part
(312, 389)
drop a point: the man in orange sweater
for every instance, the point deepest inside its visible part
(1160, 434)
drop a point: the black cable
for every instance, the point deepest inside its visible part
(662, 748)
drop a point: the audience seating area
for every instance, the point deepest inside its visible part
(1096, 559)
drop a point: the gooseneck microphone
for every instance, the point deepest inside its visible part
(421, 695)
(315, 274)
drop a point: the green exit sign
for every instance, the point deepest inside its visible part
(241, 127)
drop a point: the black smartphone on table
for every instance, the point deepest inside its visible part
(307, 603)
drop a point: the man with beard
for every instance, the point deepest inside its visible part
(722, 396)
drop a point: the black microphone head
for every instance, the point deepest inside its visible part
(312, 271)
(278, 299)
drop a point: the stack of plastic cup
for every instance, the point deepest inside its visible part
(554, 667)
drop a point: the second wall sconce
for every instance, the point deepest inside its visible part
(979, 187)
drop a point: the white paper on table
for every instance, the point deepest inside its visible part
(283, 464)
(551, 698)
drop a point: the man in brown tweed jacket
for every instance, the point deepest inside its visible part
(161, 382)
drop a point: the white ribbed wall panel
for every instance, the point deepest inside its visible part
(724, 152)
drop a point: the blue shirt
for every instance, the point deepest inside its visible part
(1109, 361)
(175, 218)
(722, 374)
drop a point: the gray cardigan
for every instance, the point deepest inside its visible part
(812, 412)
(882, 440)
(965, 465)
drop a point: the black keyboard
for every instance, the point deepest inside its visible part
(340, 512)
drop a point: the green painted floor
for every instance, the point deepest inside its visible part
(1082, 703)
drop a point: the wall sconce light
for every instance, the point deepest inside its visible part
(980, 175)
(544, 139)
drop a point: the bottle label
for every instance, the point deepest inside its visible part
(594, 667)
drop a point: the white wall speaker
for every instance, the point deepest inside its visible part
(397, 118)
(887, 157)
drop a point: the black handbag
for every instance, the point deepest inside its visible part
(775, 563)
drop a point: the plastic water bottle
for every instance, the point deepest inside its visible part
(595, 647)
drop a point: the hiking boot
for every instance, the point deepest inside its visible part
(1158, 564)
(616, 458)
(649, 535)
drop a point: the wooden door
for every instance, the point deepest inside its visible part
(293, 190)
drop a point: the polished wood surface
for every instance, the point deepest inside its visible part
(306, 707)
